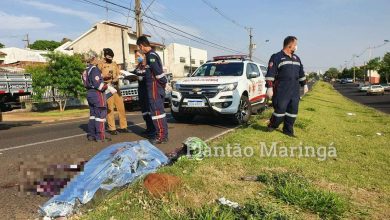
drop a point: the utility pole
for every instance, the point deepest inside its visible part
(27, 40)
(189, 47)
(369, 58)
(123, 50)
(354, 74)
(250, 43)
(163, 42)
(138, 17)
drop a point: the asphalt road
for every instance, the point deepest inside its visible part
(30, 142)
(380, 102)
(65, 142)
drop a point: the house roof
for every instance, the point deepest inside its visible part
(155, 44)
(14, 55)
(68, 45)
(93, 29)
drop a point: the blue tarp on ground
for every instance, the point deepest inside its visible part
(114, 166)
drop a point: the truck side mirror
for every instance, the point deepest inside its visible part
(252, 75)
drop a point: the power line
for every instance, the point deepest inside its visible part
(181, 33)
(177, 29)
(128, 14)
(150, 4)
(102, 6)
(224, 15)
(249, 29)
(154, 30)
(169, 34)
(211, 35)
(154, 25)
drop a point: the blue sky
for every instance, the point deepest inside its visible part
(329, 31)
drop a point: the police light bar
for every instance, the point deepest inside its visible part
(230, 57)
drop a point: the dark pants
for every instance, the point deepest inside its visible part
(156, 96)
(98, 114)
(145, 106)
(285, 103)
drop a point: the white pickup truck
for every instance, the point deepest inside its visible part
(129, 89)
(231, 86)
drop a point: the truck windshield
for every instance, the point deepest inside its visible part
(219, 69)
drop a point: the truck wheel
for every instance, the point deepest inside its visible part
(129, 107)
(244, 111)
(185, 118)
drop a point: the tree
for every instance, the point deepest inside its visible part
(2, 45)
(374, 64)
(64, 40)
(62, 74)
(332, 73)
(45, 45)
(384, 69)
(360, 72)
(40, 82)
(346, 73)
(313, 75)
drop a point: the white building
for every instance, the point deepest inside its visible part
(182, 59)
(105, 34)
(175, 57)
(15, 55)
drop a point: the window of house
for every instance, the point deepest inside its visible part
(192, 61)
(182, 59)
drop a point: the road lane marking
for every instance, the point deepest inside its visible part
(84, 134)
(52, 140)
(53, 123)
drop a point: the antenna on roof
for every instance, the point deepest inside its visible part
(27, 40)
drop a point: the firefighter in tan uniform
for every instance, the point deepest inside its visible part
(111, 72)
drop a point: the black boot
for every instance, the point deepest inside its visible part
(114, 132)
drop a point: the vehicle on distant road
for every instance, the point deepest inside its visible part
(386, 87)
(349, 80)
(13, 85)
(363, 87)
(375, 90)
(229, 86)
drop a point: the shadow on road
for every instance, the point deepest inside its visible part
(12, 124)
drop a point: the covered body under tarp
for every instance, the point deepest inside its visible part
(114, 166)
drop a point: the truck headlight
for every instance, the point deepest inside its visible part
(227, 87)
(175, 86)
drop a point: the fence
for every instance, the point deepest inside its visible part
(48, 96)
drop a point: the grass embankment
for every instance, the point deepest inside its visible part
(46, 116)
(57, 113)
(355, 184)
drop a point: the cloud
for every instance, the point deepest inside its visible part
(62, 10)
(22, 22)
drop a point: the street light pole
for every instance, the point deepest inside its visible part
(354, 74)
(370, 54)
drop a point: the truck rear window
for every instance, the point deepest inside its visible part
(220, 69)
